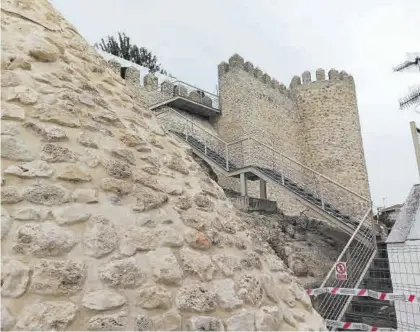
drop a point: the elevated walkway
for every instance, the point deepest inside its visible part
(183, 96)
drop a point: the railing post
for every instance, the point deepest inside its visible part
(321, 194)
(282, 168)
(205, 146)
(227, 157)
(186, 130)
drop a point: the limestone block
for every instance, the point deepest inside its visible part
(258, 74)
(115, 66)
(287, 315)
(125, 155)
(249, 289)
(12, 112)
(43, 240)
(57, 277)
(103, 300)
(47, 316)
(275, 263)
(148, 199)
(25, 95)
(196, 298)
(320, 74)
(86, 140)
(236, 61)
(228, 264)
(54, 153)
(196, 263)
(6, 222)
(295, 82)
(282, 88)
(11, 195)
(131, 140)
(203, 202)
(204, 323)
(14, 278)
(180, 90)
(195, 96)
(46, 194)
(148, 239)
(50, 113)
(14, 149)
(177, 164)
(167, 88)
(169, 321)
(144, 323)
(197, 240)
(32, 169)
(306, 77)
(87, 99)
(30, 214)
(193, 218)
(7, 319)
(206, 100)
(165, 266)
(251, 260)
(74, 173)
(268, 318)
(119, 187)
(132, 76)
(48, 133)
(9, 128)
(245, 321)
(154, 297)
(222, 68)
(266, 78)
(123, 273)
(99, 237)
(226, 295)
(333, 74)
(69, 215)
(150, 82)
(116, 168)
(249, 67)
(10, 78)
(111, 322)
(44, 51)
(85, 196)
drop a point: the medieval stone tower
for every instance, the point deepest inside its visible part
(314, 122)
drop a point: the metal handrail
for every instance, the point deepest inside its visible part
(194, 87)
(270, 148)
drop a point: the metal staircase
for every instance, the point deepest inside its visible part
(346, 209)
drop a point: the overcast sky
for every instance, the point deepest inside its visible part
(285, 38)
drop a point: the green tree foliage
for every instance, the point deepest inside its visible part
(123, 48)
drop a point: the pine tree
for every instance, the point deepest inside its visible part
(124, 49)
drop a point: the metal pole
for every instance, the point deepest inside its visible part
(186, 130)
(415, 132)
(227, 157)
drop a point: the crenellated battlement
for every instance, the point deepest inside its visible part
(333, 75)
(236, 62)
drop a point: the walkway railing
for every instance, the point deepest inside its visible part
(326, 194)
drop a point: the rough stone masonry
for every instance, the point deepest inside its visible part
(107, 223)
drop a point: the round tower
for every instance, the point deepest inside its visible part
(332, 141)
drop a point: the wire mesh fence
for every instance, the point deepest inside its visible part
(404, 263)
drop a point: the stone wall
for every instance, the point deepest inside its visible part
(106, 222)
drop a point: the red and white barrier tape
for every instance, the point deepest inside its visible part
(364, 292)
(356, 326)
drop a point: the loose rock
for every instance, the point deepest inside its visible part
(194, 262)
(99, 237)
(41, 240)
(154, 297)
(112, 322)
(36, 168)
(122, 273)
(165, 266)
(71, 214)
(48, 315)
(14, 149)
(54, 277)
(14, 278)
(196, 298)
(103, 300)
